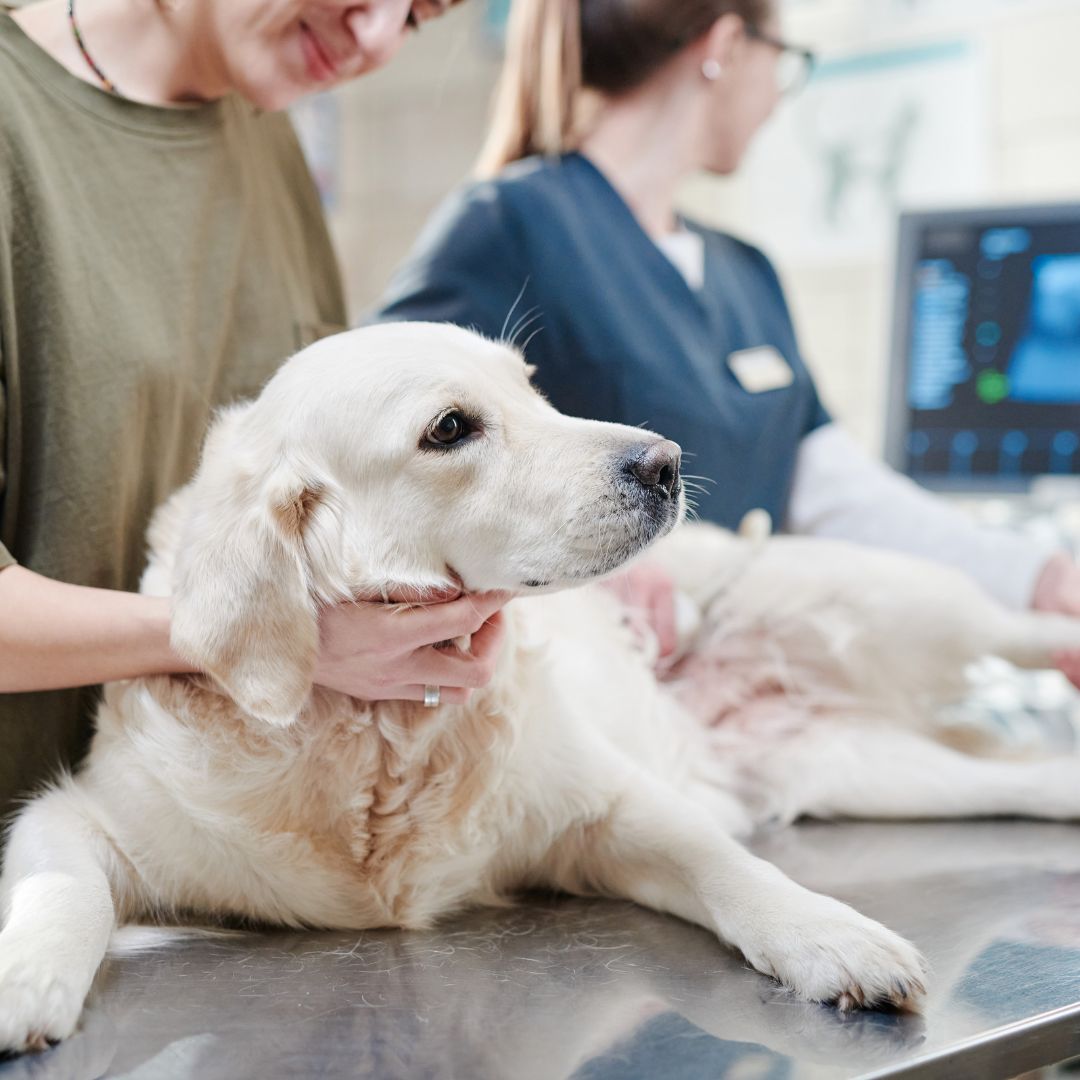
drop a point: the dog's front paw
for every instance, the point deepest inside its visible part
(40, 1002)
(826, 951)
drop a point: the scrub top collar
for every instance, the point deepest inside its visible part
(663, 265)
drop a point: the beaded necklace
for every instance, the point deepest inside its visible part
(105, 80)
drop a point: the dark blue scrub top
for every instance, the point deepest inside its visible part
(614, 329)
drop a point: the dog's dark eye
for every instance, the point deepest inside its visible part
(449, 429)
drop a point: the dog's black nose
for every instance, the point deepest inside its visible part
(656, 466)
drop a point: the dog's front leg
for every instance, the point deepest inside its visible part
(58, 916)
(660, 850)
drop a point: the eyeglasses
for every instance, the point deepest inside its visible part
(794, 65)
(424, 10)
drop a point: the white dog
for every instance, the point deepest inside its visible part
(419, 455)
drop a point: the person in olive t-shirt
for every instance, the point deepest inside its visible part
(162, 251)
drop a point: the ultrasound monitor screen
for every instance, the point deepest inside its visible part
(986, 386)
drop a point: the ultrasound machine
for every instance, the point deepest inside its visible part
(985, 372)
(984, 391)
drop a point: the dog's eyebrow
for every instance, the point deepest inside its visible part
(465, 399)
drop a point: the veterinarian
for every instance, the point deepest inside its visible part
(162, 251)
(571, 243)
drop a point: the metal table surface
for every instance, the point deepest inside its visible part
(559, 987)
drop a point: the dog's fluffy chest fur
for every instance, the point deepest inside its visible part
(376, 815)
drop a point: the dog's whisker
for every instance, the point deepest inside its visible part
(517, 300)
(524, 347)
(526, 320)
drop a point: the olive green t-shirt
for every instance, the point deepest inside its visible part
(155, 263)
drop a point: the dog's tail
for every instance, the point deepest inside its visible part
(756, 526)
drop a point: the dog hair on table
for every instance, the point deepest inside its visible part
(810, 687)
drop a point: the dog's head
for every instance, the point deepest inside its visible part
(397, 456)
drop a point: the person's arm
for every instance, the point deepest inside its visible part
(840, 491)
(55, 635)
(1058, 590)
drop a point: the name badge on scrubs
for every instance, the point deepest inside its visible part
(760, 369)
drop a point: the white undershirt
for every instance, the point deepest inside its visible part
(840, 491)
(686, 250)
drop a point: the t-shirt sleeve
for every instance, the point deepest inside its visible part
(6, 558)
(467, 268)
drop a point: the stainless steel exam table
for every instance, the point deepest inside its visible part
(560, 987)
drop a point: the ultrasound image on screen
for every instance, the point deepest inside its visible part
(1045, 365)
(994, 351)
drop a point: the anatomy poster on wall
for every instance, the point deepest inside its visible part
(872, 133)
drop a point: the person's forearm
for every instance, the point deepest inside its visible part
(839, 491)
(54, 635)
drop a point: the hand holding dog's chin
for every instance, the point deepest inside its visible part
(1058, 589)
(382, 652)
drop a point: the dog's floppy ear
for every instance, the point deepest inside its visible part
(243, 609)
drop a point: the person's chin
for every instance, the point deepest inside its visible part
(278, 93)
(722, 166)
(282, 79)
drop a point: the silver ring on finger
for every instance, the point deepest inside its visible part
(432, 694)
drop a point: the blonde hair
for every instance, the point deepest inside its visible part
(555, 49)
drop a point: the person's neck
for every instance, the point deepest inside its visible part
(643, 143)
(155, 54)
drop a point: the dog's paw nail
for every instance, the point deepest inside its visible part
(37, 1042)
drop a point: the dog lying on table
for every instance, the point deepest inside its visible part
(417, 455)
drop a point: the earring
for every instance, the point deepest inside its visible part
(711, 69)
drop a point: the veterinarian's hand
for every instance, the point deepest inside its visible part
(648, 593)
(1058, 589)
(384, 652)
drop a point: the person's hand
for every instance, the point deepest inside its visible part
(383, 652)
(648, 594)
(1058, 589)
